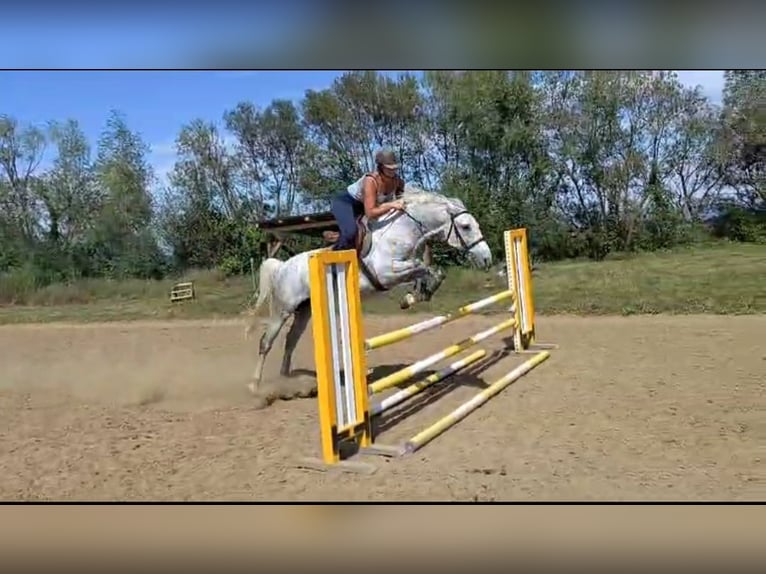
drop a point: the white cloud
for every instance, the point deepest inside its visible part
(711, 82)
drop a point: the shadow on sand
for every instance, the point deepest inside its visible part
(468, 377)
(302, 384)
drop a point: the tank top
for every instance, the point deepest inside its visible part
(356, 190)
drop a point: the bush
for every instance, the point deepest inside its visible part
(741, 224)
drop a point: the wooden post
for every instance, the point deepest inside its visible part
(274, 246)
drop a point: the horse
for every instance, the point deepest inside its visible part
(387, 251)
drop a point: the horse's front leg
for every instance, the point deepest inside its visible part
(425, 286)
(427, 281)
(430, 284)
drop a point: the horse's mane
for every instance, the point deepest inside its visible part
(416, 196)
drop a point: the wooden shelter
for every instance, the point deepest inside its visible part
(308, 225)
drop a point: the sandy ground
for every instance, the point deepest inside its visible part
(638, 408)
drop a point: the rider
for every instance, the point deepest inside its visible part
(362, 197)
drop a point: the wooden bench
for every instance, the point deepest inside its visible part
(182, 292)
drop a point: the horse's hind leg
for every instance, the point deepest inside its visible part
(273, 326)
(301, 318)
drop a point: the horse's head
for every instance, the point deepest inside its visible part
(464, 234)
(451, 222)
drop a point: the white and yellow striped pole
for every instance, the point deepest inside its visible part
(426, 436)
(415, 388)
(408, 372)
(406, 332)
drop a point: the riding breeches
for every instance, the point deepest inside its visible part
(346, 210)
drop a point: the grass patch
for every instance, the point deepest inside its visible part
(722, 279)
(96, 300)
(725, 278)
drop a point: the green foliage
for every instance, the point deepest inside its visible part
(744, 133)
(723, 277)
(739, 224)
(593, 163)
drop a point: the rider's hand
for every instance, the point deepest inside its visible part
(397, 205)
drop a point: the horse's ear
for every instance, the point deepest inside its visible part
(457, 202)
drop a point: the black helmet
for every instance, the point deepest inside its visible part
(386, 158)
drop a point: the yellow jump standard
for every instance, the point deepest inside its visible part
(345, 412)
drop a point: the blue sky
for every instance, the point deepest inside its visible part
(158, 103)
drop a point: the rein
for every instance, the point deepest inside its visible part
(452, 227)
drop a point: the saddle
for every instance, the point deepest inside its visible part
(363, 241)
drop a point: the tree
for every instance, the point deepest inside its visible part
(68, 190)
(21, 151)
(744, 135)
(122, 242)
(359, 113)
(207, 211)
(273, 150)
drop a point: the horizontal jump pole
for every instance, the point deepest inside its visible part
(427, 435)
(406, 332)
(408, 372)
(415, 388)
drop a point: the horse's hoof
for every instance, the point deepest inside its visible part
(251, 388)
(407, 302)
(261, 402)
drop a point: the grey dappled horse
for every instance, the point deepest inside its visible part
(389, 255)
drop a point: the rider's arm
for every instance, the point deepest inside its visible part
(371, 210)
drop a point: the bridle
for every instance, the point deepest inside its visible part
(452, 227)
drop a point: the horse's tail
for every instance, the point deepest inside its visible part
(266, 274)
